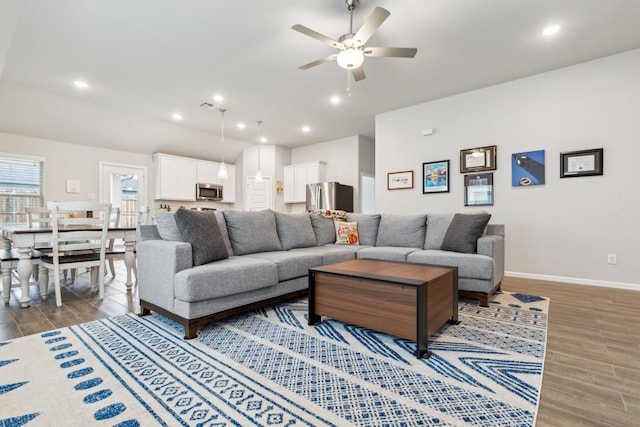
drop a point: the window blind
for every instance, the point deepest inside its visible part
(21, 186)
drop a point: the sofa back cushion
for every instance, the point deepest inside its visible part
(167, 227)
(437, 226)
(323, 228)
(252, 231)
(367, 227)
(201, 230)
(295, 230)
(225, 233)
(464, 231)
(402, 230)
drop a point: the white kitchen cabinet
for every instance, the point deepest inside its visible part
(297, 176)
(207, 172)
(229, 185)
(175, 177)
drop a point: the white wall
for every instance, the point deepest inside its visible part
(564, 229)
(71, 161)
(345, 158)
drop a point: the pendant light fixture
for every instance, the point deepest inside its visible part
(258, 177)
(222, 172)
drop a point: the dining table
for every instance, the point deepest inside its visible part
(22, 238)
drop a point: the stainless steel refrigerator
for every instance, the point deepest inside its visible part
(329, 195)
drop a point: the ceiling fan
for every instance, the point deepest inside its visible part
(351, 46)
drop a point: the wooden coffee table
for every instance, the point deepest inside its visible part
(406, 300)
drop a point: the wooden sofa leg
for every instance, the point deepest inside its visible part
(144, 312)
(484, 300)
(190, 331)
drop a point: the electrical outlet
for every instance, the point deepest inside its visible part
(612, 259)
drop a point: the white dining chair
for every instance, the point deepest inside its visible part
(78, 242)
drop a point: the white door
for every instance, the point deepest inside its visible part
(258, 195)
(125, 187)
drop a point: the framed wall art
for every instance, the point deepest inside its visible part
(527, 168)
(581, 163)
(435, 177)
(399, 180)
(478, 189)
(478, 159)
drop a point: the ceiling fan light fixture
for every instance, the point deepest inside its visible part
(350, 58)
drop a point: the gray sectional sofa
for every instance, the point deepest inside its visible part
(197, 267)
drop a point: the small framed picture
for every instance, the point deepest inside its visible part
(435, 177)
(478, 159)
(581, 163)
(399, 180)
(527, 168)
(478, 189)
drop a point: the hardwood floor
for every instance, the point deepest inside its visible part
(79, 305)
(592, 367)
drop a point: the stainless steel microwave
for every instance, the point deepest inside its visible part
(212, 192)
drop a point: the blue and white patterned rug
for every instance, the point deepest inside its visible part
(269, 368)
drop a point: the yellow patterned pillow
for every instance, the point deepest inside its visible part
(346, 233)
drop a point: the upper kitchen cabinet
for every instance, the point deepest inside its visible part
(175, 177)
(297, 176)
(207, 173)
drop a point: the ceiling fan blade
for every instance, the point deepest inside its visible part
(316, 35)
(370, 26)
(358, 73)
(318, 62)
(394, 52)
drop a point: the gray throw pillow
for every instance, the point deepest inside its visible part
(324, 229)
(295, 230)
(202, 231)
(167, 227)
(252, 231)
(402, 230)
(367, 227)
(464, 231)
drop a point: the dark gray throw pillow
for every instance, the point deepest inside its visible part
(464, 231)
(202, 231)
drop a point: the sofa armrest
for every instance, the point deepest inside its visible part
(158, 263)
(492, 245)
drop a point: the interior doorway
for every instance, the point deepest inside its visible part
(125, 187)
(367, 193)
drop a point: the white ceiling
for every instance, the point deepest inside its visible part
(146, 59)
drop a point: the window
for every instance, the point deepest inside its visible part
(21, 186)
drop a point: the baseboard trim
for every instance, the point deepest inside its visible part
(574, 280)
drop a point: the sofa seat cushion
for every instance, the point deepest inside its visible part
(290, 264)
(230, 276)
(402, 230)
(387, 253)
(330, 254)
(469, 265)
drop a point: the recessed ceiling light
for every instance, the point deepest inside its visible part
(241, 125)
(218, 98)
(335, 99)
(81, 84)
(551, 30)
(176, 116)
(306, 129)
(263, 139)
